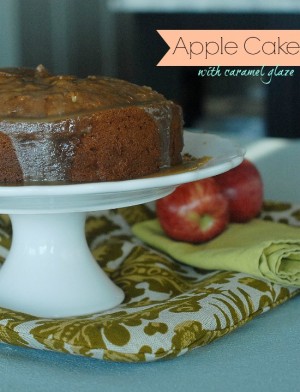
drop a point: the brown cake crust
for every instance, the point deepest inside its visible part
(61, 129)
(10, 169)
(118, 129)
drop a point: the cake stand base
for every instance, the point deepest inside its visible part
(50, 272)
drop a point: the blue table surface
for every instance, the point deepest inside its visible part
(263, 355)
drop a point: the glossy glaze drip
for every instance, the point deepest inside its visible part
(162, 115)
(40, 113)
(40, 156)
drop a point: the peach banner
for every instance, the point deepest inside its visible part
(231, 47)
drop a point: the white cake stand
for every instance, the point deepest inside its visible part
(49, 271)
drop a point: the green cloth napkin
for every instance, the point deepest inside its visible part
(267, 250)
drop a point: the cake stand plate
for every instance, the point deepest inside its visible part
(49, 270)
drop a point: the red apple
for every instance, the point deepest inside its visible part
(195, 212)
(243, 187)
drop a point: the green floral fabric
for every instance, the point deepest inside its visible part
(169, 308)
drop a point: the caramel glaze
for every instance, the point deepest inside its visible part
(47, 117)
(187, 165)
(35, 94)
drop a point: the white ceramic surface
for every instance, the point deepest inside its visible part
(49, 271)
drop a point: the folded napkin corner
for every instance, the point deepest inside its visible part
(264, 249)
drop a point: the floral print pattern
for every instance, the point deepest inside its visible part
(169, 308)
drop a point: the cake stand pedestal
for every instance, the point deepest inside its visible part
(49, 271)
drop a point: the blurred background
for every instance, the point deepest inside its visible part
(118, 38)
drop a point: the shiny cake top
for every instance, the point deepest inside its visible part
(36, 94)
